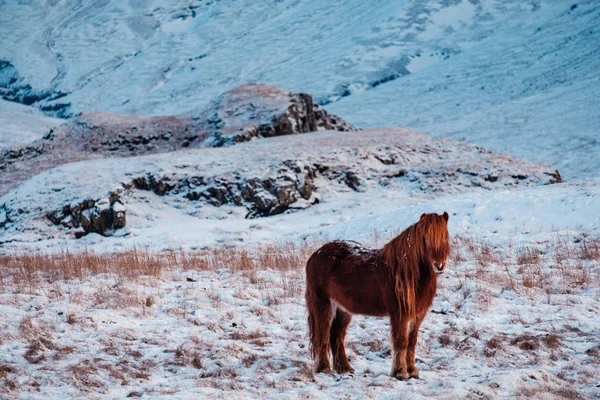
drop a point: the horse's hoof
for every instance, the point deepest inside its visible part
(414, 373)
(402, 376)
(345, 370)
(326, 371)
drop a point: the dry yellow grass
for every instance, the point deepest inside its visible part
(564, 263)
(28, 270)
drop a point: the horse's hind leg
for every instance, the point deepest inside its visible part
(321, 315)
(336, 340)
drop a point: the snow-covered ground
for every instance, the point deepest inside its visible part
(528, 89)
(395, 169)
(509, 321)
(521, 213)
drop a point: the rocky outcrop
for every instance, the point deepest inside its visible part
(261, 111)
(259, 179)
(289, 186)
(103, 216)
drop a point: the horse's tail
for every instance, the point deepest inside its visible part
(309, 307)
(311, 332)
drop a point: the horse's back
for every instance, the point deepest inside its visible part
(323, 261)
(352, 275)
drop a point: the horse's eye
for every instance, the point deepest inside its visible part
(446, 238)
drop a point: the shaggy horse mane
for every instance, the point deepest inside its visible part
(404, 255)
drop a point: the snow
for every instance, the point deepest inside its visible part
(20, 125)
(173, 220)
(526, 89)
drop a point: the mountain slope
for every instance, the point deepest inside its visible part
(513, 76)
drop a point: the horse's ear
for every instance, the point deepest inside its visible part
(446, 216)
(423, 216)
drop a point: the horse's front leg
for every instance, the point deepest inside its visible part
(399, 325)
(413, 371)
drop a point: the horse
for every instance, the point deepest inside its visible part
(398, 280)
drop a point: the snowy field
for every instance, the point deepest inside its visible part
(509, 321)
(20, 125)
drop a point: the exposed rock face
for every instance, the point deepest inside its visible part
(290, 186)
(259, 111)
(248, 112)
(102, 216)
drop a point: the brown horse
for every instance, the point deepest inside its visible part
(398, 280)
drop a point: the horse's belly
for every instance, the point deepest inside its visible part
(358, 303)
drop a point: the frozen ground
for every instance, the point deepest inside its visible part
(509, 321)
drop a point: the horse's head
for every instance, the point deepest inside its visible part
(435, 239)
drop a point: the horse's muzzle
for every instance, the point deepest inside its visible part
(439, 268)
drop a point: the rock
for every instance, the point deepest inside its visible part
(305, 185)
(250, 188)
(217, 195)
(264, 202)
(102, 217)
(351, 179)
(56, 217)
(286, 193)
(282, 187)
(159, 186)
(554, 177)
(119, 215)
(260, 111)
(92, 215)
(491, 178)
(86, 221)
(193, 196)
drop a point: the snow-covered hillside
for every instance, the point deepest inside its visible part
(514, 76)
(21, 125)
(261, 178)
